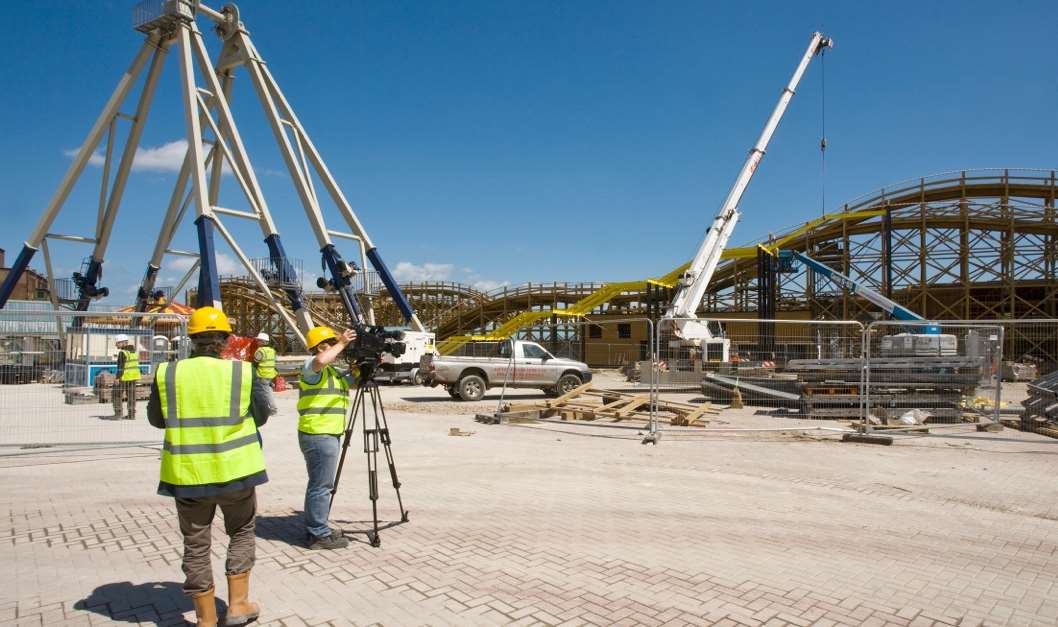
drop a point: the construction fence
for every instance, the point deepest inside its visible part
(885, 374)
(808, 374)
(57, 374)
(613, 348)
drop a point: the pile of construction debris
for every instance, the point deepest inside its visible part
(832, 389)
(587, 403)
(1041, 407)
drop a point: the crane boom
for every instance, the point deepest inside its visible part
(889, 306)
(684, 306)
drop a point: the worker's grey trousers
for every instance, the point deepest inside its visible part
(196, 518)
(264, 386)
(124, 390)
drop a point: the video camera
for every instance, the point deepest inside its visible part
(371, 342)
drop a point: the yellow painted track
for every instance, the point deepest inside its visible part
(603, 295)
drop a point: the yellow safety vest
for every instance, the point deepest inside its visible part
(131, 372)
(266, 365)
(322, 406)
(210, 437)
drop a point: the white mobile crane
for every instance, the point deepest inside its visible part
(682, 311)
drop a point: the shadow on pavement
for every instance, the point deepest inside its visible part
(158, 602)
(288, 528)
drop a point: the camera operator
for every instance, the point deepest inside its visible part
(323, 402)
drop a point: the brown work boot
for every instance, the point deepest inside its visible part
(240, 609)
(205, 608)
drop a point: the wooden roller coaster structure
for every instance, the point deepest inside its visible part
(969, 245)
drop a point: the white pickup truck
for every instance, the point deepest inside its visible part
(522, 364)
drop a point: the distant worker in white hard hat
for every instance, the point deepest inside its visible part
(264, 360)
(125, 378)
(211, 459)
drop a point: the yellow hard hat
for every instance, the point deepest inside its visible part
(319, 334)
(206, 319)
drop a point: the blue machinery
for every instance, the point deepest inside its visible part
(213, 143)
(894, 309)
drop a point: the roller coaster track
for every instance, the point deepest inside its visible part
(905, 204)
(926, 216)
(243, 290)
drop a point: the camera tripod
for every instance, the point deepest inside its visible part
(375, 433)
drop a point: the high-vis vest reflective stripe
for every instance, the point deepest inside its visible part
(266, 362)
(210, 436)
(131, 372)
(322, 406)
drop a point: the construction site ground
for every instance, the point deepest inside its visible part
(564, 524)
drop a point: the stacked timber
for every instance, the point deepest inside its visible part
(833, 388)
(587, 403)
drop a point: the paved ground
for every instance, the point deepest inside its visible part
(569, 525)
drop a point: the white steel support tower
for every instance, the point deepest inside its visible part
(683, 310)
(213, 141)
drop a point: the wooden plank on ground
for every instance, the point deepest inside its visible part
(630, 405)
(580, 389)
(695, 415)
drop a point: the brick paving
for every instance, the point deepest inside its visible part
(531, 526)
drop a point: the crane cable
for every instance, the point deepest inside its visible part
(823, 131)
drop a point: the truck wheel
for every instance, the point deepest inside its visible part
(471, 388)
(567, 383)
(416, 377)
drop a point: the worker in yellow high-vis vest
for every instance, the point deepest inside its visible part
(323, 402)
(125, 378)
(211, 457)
(264, 361)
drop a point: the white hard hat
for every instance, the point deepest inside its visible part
(121, 338)
(262, 336)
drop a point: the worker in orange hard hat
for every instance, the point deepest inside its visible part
(323, 401)
(212, 458)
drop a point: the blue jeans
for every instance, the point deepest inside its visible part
(321, 461)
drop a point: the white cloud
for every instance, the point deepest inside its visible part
(180, 264)
(486, 285)
(407, 272)
(227, 265)
(167, 157)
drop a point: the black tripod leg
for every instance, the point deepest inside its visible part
(371, 451)
(350, 424)
(386, 441)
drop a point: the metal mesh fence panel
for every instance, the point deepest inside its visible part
(1028, 374)
(932, 373)
(590, 371)
(790, 364)
(57, 374)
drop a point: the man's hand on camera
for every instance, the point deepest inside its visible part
(328, 355)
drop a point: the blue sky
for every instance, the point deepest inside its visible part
(503, 142)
